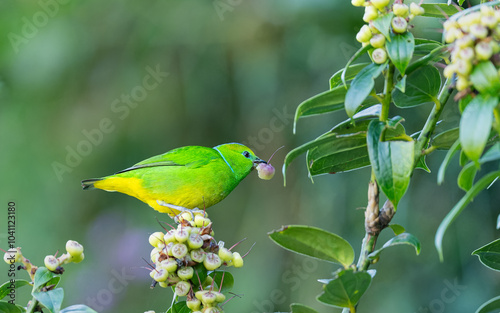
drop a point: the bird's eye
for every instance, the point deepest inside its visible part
(246, 154)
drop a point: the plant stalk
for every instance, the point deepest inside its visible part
(388, 86)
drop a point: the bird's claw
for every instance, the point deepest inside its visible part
(179, 208)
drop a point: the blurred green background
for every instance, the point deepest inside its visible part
(229, 71)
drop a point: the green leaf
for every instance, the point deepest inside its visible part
(356, 56)
(350, 73)
(464, 102)
(485, 78)
(425, 46)
(179, 307)
(460, 206)
(314, 242)
(383, 24)
(490, 306)
(346, 289)
(489, 255)
(421, 164)
(428, 58)
(463, 158)
(199, 275)
(492, 154)
(401, 239)
(226, 278)
(400, 50)
(392, 162)
(51, 299)
(442, 169)
(422, 86)
(8, 286)
(361, 87)
(439, 10)
(498, 221)
(397, 229)
(325, 102)
(78, 308)
(446, 139)
(466, 176)
(300, 308)
(42, 277)
(475, 125)
(401, 84)
(6, 307)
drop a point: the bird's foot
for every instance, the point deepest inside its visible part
(179, 208)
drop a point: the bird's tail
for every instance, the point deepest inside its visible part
(88, 184)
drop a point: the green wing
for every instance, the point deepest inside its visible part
(190, 156)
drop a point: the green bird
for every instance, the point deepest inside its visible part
(183, 179)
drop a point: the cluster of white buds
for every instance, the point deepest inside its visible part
(74, 253)
(176, 252)
(369, 34)
(475, 38)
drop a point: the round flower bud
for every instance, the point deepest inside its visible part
(489, 21)
(462, 83)
(208, 297)
(371, 13)
(160, 274)
(399, 25)
(377, 41)
(212, 310)
(195, 241)
(182, 288)
(201, 221)
(380, 4)
(449, 71)
(487, 10)
(358, 3)
(379, 55)
(400, 9)
(212, 261)
(364, 34)
(199, 294)
(155, 253)
(265, 171)
(170, 265)
(169, 236)
(51, 262)
(463, 67)
(237, 260)
(74, 248)
(185, 273)
(416, 10)
(77, 258)
(225, 254)
(193, 304)
(484, 51)
(156, 238)
(12, 256)
(168, 248)
(163, 284)
(479, 31)
(182, 234)
(186, 216)
(197, 255)
(219, 297)
(179, 250)
(450, 24)
(150, 311)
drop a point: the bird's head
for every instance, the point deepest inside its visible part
(239, 157)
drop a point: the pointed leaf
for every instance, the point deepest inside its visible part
(489, 255)
(446, 139)
(6, 307)
(466, 176)
(425, 46)
(422, 86)
(485, 78)
(179, 307)
(392, 162)
(226, 279)
(421, 164)
(400, 50)
(361, 87)
(300, 308)
(356, 56)
(350, 73)
(459, 207)
(51, 299)
(383, 24)
(475, 125)
(314, 242)
(439, 10)
(402, 239)
(429, 58)
(442, 169)
(78, 308)
(346, 289)
(490, 306)
(42, 277)
(401, 85)
(8, 286)
(397, 229)
(492, 154)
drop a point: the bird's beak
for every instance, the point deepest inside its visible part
(257, 161)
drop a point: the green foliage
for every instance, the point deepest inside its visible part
(489, 255)
(226, 278)
(400, 239)
(179, 307)
(422, 87)
(361, 87)
(314, 242)
(400, 49)
(300, 308)
(490, 306)
(439, 10)
(5, 288)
